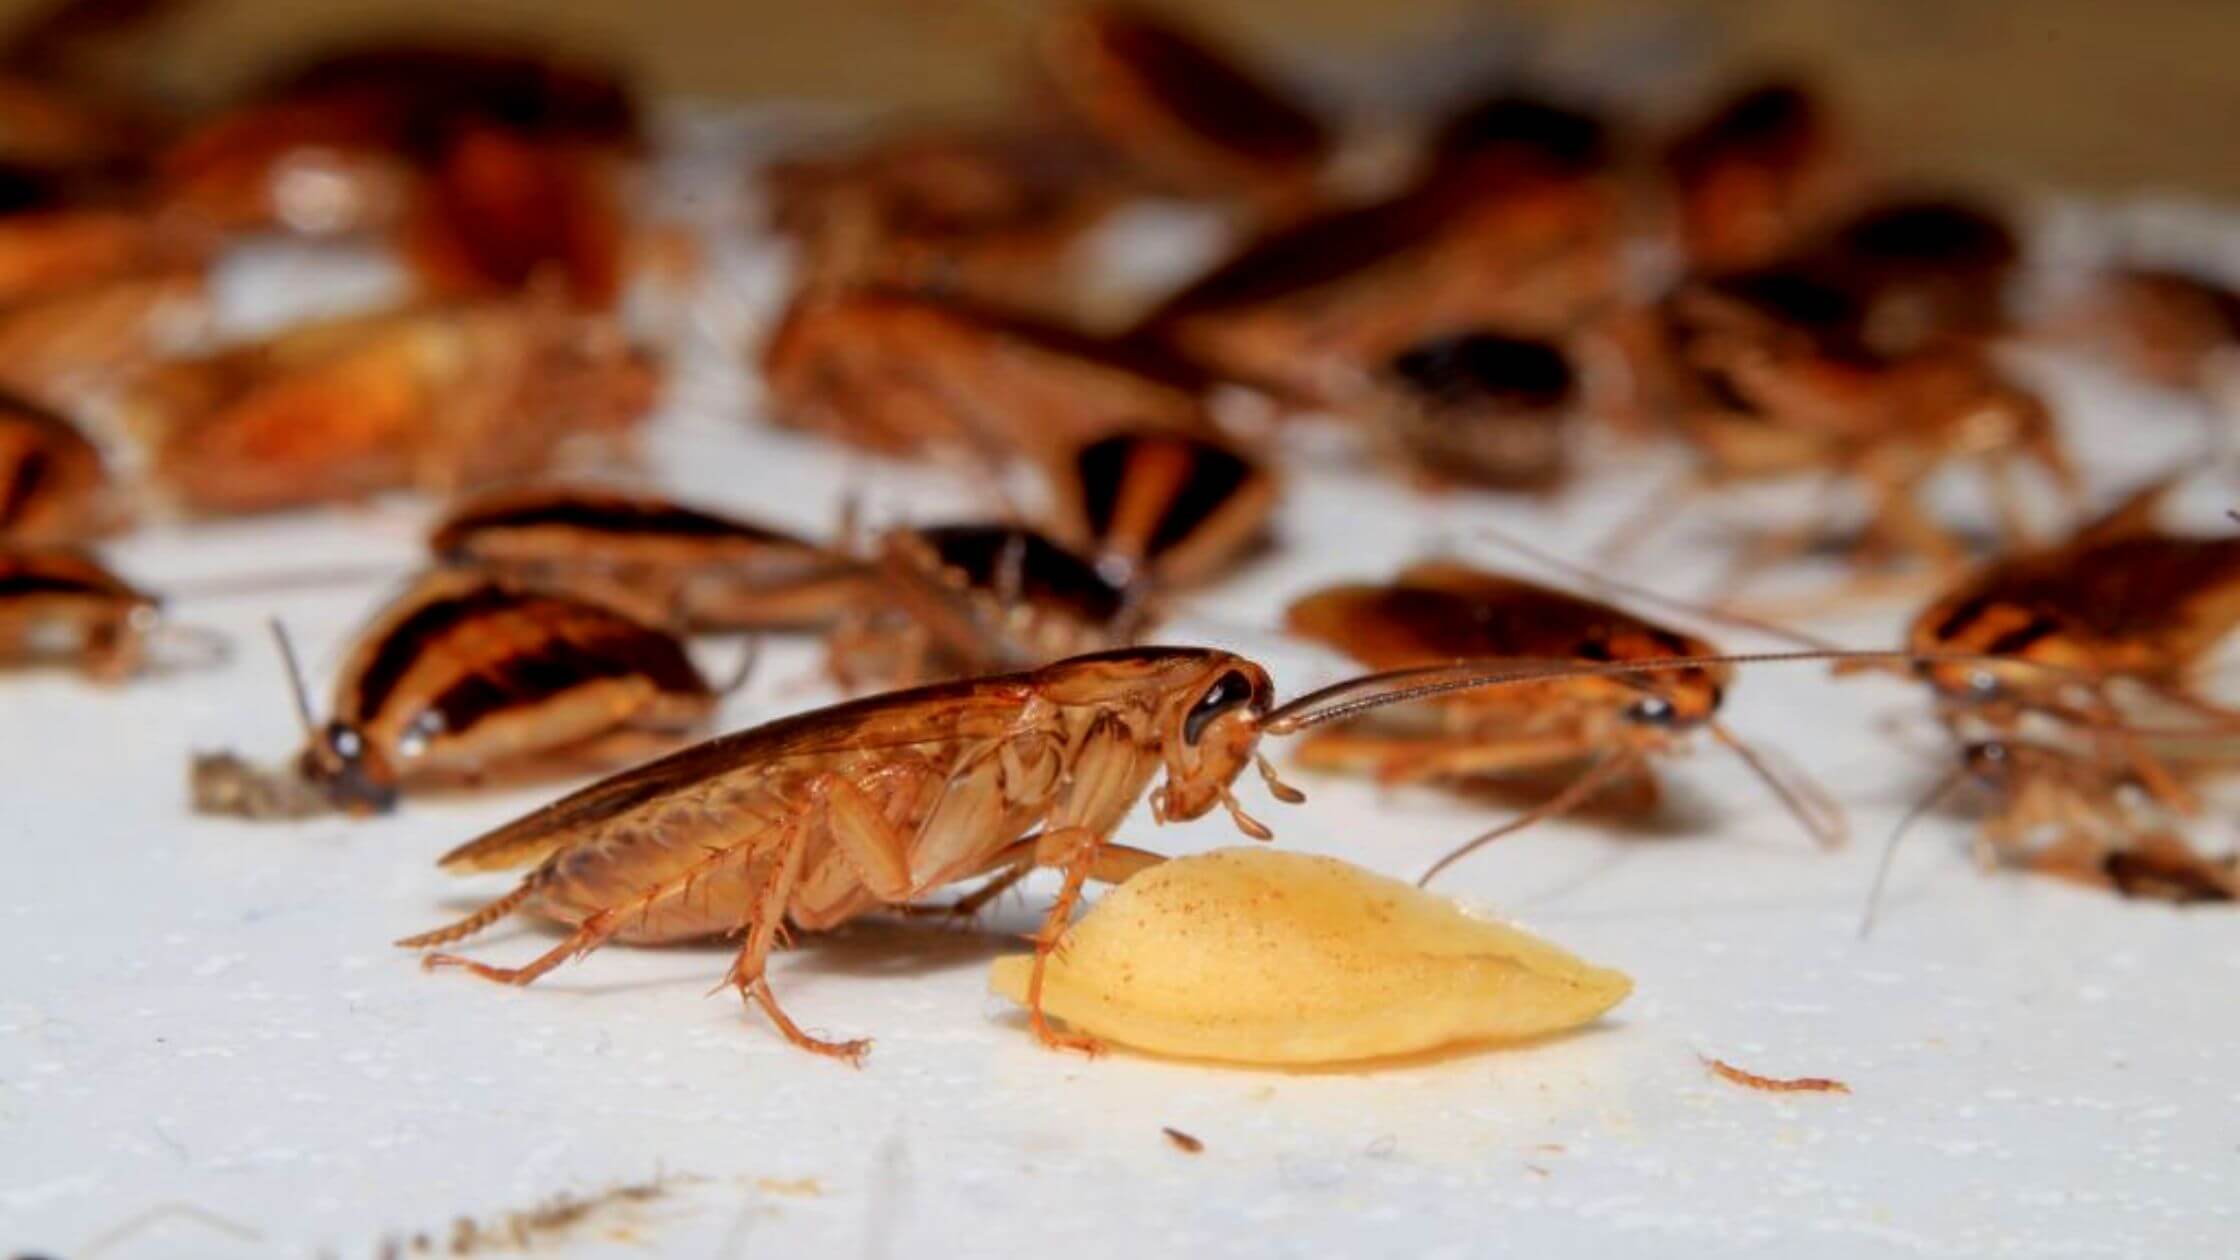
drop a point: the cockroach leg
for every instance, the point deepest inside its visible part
(747, 970)
(1074, 848)
(590, 935)
(473, 923)
(1581, 790)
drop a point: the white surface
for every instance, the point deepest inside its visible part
(207, 1012)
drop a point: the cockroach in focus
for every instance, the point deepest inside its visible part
(677, 564)
(464, 678)
(821, 817)
(435, 397)
(987, 216)
(1606, 728)
(955, 601)
(57, 603)
(1756, 176)
(903, 372)
(52, 480)
(1161, 507)
(1185, 115)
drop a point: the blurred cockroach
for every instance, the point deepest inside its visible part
(1923, 271)
(678, 564)
(1186, 115)
(2173, 327)
(1756, 176)
(816, 819)
(953, 601)
(1612, 725)
(1516, 235)
(1160, 506)
(464, 677)
(61, 604)
(437, 398)
(1479, 408)
(2127, 613)
(898, 372)
(52, 480)
(987, 216)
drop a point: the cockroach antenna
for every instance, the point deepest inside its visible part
(1930, 800)
(296, 688)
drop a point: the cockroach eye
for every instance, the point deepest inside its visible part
(1651, 711)
(346, 742)
(1227, 692)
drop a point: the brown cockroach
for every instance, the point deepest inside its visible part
(954, 601)
(678, 564)
(1513, 235)
(1756, 176)
(1160, 506)
(901, 372)
(1187, 115)
(1479, 408)
(988, 216)
(2124, 612)
(1924, 271)
(1775, 382)
(58, 603)
(822, 817)
(1612, 725)
(2173, 327)
(462, 678)
(433, 397)
(52, 479)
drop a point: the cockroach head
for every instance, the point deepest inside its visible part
(344, 764)
(1211, 729)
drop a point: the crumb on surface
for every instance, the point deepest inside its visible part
(1183, 1142)
(1774, 1084)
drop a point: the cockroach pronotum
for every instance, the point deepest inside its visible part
(436, 398)
(463, 678)
(1479, 408)
(951, 601)
(1611, 725)
(818, 818)
(52, 480)
(60, 604)
(902, 372)
(677, 564)
(1756, 176)
(1924, 271)
(1160, 506)
(1185, 115)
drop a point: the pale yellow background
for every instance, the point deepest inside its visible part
(2084, 92)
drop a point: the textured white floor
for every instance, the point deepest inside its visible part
(206, 1013)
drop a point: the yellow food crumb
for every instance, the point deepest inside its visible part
(1263, 956)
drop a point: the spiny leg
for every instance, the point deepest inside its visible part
(767, 919)
(1074, 848)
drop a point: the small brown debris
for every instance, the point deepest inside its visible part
(1774, 1084)
(791, 1187)
(1184, 1142)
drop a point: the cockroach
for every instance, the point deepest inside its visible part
(61, 231)
(1613, 725)
(1161, 507)
(678, 564)
(951, 601)
(1491, 239)
(1757, 175)
(52, 479)
(1924, 271)
(2124, 611)
(1775, 382)
(464, 677)
(433, 397)
(59, 603)
(1187, 115)
(1479, 408)
(496, 211)
(900, 372)
(987, 216)
(818, 818)
(2174, 327)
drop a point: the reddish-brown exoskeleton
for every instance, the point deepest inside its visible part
(498, 166)
(1479, 408)
(1159, 506)
(1607, 728)
(900, 372)
(465, 678)
(1185, 115)
(986, 216)
(59, 604)
(674, 563)
(435, 397)
(1515, 227)
(2174, 327)
(1761, 171)
(52, 480)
